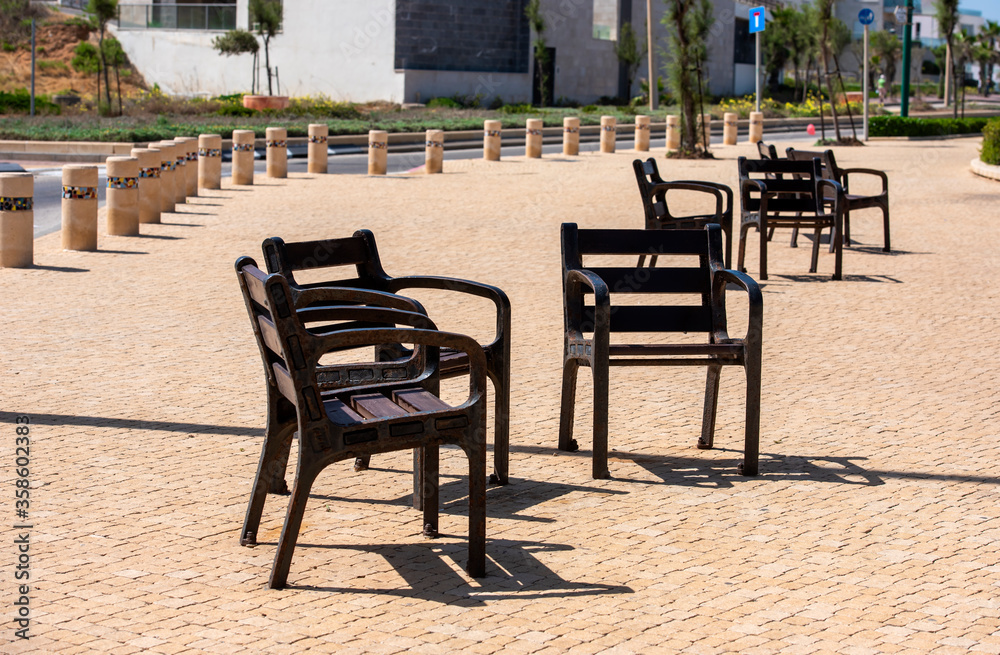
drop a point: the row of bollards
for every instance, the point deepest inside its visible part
(155, 179)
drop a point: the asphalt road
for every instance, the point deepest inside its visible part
(48, 184)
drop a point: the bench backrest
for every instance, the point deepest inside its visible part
(829, 169)
(767, 150)
(356, 255)
(794, 182)
(691, 278)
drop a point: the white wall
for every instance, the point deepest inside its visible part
(340, 48)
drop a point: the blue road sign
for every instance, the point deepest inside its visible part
(757, 20)
(866, 16)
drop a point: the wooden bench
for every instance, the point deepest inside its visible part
(589, 327)
(784, 193)
(653, 190)
(852, 201)
(359, 266)
(363, 419)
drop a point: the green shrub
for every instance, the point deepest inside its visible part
(19, 101)
(899, 126)
(53, 65)
(234, 109)
(520, 108)
(991, 142)
(444, 103)
(590, 109)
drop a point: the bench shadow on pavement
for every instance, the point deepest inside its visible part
(130, 424)
(513, 572)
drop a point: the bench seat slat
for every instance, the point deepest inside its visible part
(643, 242)
(340, 414)
(375, 405)
(419, 400)
(677, 349)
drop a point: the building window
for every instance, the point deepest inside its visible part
(606, 20)
(744, 44)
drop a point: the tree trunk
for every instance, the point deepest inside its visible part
(104, 63)
(825, 53)
(267, 65)
(118, 81)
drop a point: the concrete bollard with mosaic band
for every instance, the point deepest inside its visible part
(756, 127)
(79, 207)
(209, 161)
(729, 128)
(642, 133)
(123, 196)
(378, 152)
(149, 184)
(609, 130)
(243, 157)
(276, 141)
(673, 132)
(17, 220)
(571, 136)
(168, 175)
(318, 156)
(434, 153)
(491, 140)
(176, 174)
(533, 138)
(189, 149)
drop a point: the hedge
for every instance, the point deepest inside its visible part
(19, 101)
(899, 126)
(990, 153)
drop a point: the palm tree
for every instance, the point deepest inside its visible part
(947, 15)
(689, 22)
(962, 51)
(990, 36)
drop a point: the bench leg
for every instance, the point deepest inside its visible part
(885, 227)
(795, 237)
(476, 452)
(601, 384)
(839, 251)
(567, 402)
(304, 479)
(429, 489)
(741, 250)
(751, 442)
(501, 429)
(815, 253)
(273, 460)
(707, 439)
(763, 258)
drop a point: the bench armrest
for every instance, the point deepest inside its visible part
(575, 279)
(723, 276)
(433, 339)
(837, 198)
(499, 298)
(722, 188)
(682, 185)
(845, 173)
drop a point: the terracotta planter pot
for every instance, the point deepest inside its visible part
(265, 102)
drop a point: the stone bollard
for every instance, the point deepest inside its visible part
(149, 184)
(378, 152)
(491, 140)
(243, 156)
(168, 175)
(434, 153)
(209, 161)
(704, 135)
(189, 148)
(533, 138)
(756, 127)
(79, 207)
(318, 157)
(571, 136)
(179, 171)
(276, 141)
(17, 220)
(642, 133)
(729, 131)
(673, 132)
(123, 196)
(609, 132)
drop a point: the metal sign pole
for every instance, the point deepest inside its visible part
(864, 88)
(757, 73)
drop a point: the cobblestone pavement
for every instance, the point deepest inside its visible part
(874, 526)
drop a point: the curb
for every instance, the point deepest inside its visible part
(983, 169)
(941, 137)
